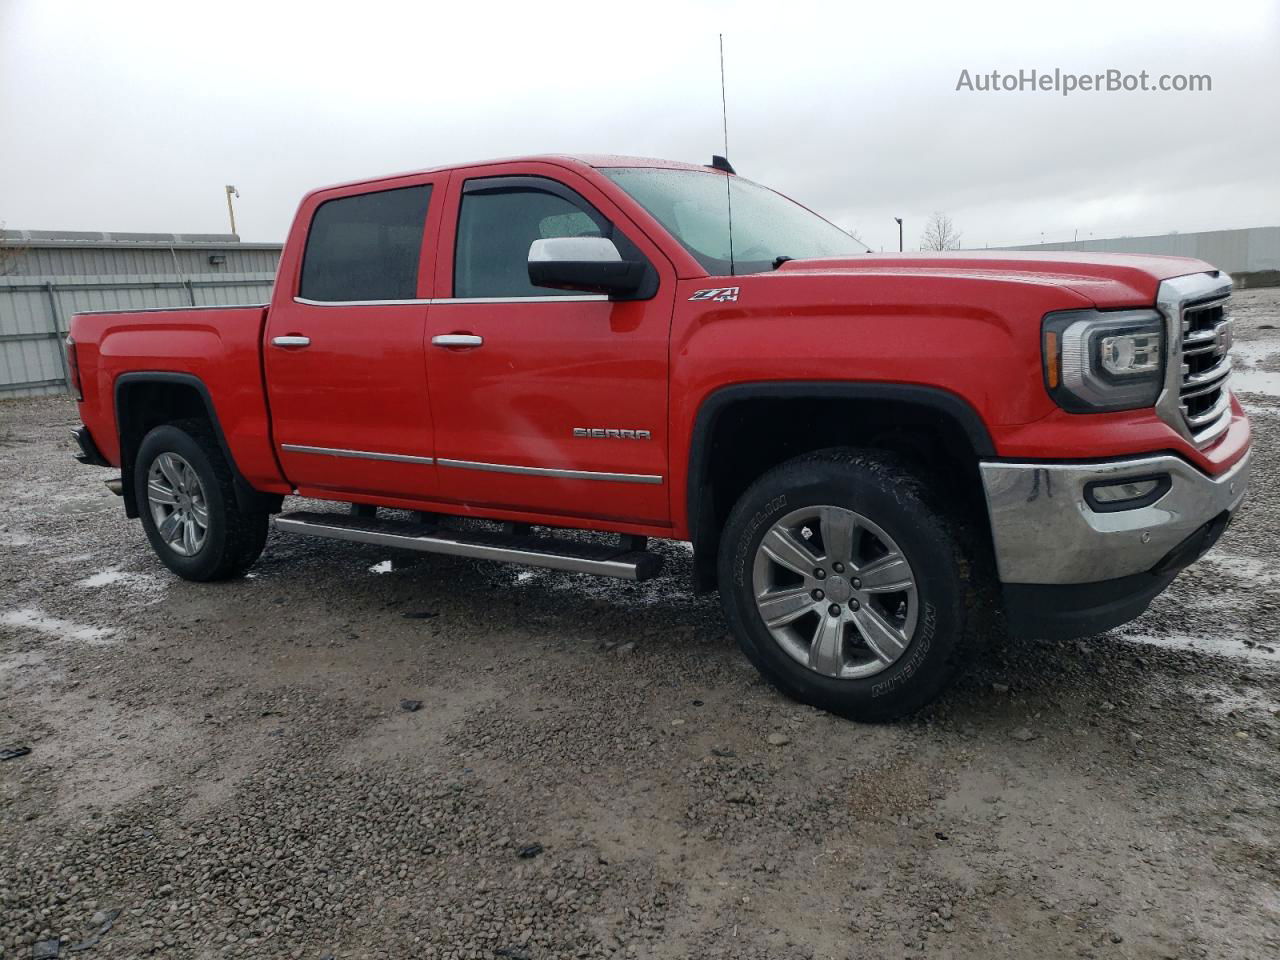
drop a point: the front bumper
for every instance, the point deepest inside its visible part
(1069, 569)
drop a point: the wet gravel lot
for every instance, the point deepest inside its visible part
(594, 770)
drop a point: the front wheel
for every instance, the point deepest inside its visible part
(844, 586)
(186, 499)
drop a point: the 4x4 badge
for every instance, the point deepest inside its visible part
(718, 294)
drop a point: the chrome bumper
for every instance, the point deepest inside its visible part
(1045, 532)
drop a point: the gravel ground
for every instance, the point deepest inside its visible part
(228, 770)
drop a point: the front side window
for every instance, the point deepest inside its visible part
(366, 247)
(694, 208)
(497, 225)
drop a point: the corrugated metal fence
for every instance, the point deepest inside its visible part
(49, 278)
(1241, 253)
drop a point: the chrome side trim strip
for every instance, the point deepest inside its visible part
(354, 303)
(577, 298)
(549, 471)
(185, 309)
(355, 454)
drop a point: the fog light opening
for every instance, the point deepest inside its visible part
(1129, 493)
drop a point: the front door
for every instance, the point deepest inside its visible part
(344, 365)
(546, 401)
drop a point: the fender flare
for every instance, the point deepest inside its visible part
(703, 530)
(247, 497)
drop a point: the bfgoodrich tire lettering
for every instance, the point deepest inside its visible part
(227, 540)
(889, 645)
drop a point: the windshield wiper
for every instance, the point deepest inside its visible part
(779, 261)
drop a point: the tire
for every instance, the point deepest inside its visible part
(891, 648)
(231, 539)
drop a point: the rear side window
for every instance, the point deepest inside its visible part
(496, 227)
(366, 247)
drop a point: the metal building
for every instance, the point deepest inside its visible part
(46, 276)
(1251, 256)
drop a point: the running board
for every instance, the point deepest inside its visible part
(602, 559)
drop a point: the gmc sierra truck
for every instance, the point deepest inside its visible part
(876, 458)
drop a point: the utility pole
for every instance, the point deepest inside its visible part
(899, 219)
(231, 211)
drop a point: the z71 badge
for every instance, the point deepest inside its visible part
(717, 294)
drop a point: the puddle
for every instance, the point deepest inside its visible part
(33, 619)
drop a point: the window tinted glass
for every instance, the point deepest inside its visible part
(694, 207)
(495, 230)
(366, 247)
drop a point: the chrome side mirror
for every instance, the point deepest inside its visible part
(591, 264)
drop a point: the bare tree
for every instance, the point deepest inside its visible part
(940, 234)
(11, 252)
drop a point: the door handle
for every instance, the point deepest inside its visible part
(291, 341)
(457, 340)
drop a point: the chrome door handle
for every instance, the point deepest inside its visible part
(292, 341)
(457, 340)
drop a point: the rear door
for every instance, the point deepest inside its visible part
(344, 347)
(551, 402)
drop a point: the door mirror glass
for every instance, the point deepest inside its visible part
(589, 264)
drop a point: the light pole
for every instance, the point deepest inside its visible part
(231, 211)
(899, 219)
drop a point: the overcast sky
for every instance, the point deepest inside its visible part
(128, 115)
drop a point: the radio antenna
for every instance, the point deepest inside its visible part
(724, 118)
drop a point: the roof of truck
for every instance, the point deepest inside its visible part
(563, 159)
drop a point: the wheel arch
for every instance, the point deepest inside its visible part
(146, 399)
(906, 417)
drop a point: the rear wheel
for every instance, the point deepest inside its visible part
(186, 499)
(845, 586)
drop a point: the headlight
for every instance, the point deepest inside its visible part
(1096, 361)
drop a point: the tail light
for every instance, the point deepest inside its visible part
(73, 368)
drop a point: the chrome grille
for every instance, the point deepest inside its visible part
(1206, 367)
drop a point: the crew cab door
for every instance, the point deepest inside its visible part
(345, 374)
(546, 401)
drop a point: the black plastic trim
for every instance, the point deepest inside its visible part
(89, 453)
(1163, 484)
(702, 530)
(247, 497)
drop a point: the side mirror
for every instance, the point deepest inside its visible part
(591, 264)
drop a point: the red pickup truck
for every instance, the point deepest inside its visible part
(877, 458)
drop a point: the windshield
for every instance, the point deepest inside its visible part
(694, 208)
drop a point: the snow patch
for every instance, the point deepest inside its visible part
(1246, 377)
(1221, 646)
(32, 619)
(136, 582)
